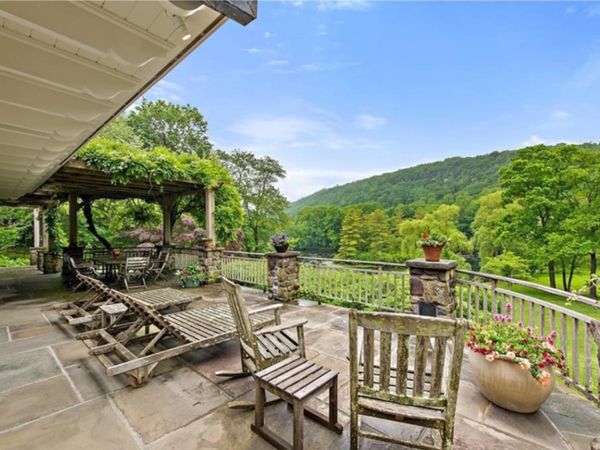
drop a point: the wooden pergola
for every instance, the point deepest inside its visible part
(75, 181)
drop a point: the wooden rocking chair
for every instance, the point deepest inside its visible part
(262, 348)
(418, 390)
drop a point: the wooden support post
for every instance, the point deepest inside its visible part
(72, 219)
(37, 228)
(167, 206)
(209, 211)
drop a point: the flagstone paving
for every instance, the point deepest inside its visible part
(55, 396)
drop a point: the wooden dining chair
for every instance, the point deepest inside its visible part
(135, 270)
(417, 383)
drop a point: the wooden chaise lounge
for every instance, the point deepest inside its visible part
(88, 312)
(137, 349)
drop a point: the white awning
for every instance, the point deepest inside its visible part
(67, 68)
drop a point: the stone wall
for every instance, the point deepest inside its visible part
(432, 287)
(283, 278)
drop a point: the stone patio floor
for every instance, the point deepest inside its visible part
(53, 395)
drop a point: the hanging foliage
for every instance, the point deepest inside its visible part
(125, 163)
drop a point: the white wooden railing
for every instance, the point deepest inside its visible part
(386, 286)
(246, 268)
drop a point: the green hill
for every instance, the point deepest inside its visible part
(453, 180)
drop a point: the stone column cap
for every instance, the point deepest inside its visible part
(283, 255)
(421, 263)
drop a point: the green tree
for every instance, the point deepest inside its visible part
(180, 128)
(351, 234)
(376, 236)
(264, 205)
(318, 229)
(538, 180)
(119, 130)
(507, 264)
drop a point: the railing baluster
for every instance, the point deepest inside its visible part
(563, 334)
(587, 350)
(542, 320)
(575, 350)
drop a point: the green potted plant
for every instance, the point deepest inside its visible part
(281, 242)
(513, 367)
(191, 276)
(52, 257)
(432, 245)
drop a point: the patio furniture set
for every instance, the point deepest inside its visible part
(132, 267)
(403, 368)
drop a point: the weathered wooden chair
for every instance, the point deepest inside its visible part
(137, 344)
(159, 265)
(135, 269)
(267, 346)
(262, 348)
(421, 389)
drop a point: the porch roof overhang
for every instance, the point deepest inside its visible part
(68, 68)
(76, 177)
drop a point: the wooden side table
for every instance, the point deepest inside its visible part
(296, 381)
(111, 312)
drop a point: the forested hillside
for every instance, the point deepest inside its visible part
(448, 181)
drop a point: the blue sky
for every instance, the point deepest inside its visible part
(341, 90)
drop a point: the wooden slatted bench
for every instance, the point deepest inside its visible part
(296, 380)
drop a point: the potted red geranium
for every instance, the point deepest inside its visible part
(432, 246)
(513, 367)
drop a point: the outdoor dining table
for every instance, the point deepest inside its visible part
(111, 264)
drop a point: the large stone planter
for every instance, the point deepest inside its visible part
(52, 263)
(508, 385)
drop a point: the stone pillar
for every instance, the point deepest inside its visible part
(432, 287)
(210, 258)
(283, 278)
(37, 237)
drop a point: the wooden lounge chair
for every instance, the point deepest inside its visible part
(136, 350)
(419, 390)
(87, 311)
(135, 269)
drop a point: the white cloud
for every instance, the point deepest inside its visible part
(278, 62)
(369, 122)
(321, 30)
(300, 183)
(560, 114)
(571, 10)
(268, 35)
(254, 50)
(166, 90)
(533, 140)
(592, 11)
(589, 73)
(355, 5)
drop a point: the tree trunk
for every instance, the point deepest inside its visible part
(571, 272)
(563, 271)
(89, 217)
(552, 274)
(593, 268)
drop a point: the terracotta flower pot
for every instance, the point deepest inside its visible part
(508, 385)
(433, 252)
